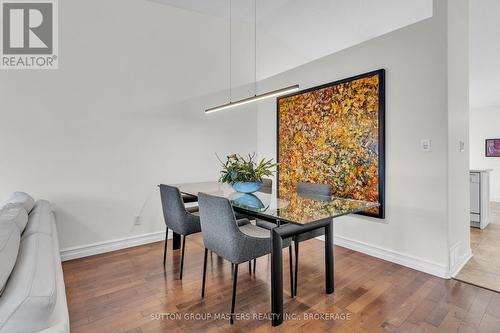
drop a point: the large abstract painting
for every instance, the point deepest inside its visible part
(334, 134)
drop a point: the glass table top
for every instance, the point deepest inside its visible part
(303, 208)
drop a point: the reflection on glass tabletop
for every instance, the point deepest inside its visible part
(287, 207)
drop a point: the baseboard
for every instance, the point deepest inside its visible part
(460, 264)
(403, 259)
(419, 264)
(111, 245)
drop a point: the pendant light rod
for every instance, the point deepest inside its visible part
(255, 98)
(255, 47)
(274, 93)
(230, 51)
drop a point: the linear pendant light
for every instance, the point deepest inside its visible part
(255, 98)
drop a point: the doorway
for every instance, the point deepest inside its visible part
(483, 269)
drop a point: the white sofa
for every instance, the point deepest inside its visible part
(33, 297)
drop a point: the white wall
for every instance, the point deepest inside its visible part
(484, 125)
(484, 55)
(458, 131)
(415, 231)
(123, 113)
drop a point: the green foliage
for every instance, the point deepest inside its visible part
(240, 169)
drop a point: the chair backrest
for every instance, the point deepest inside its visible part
(314, 189)
(174, 211)
(218, 225)
(267, 185)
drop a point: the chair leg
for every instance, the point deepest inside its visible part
(233, 301)
(254, 264)
(204, 274)
(291, 268)
(250, 267)
(296, 266)
(165, 249)
(182, 254)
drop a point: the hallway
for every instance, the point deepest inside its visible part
(483, 269)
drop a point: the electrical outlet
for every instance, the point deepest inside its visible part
(137, 220)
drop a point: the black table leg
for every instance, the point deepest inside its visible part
(176, 241)
(276, 278)
(329, 260)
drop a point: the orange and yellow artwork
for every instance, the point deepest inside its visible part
(334, 134)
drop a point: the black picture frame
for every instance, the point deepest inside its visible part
(381, 132)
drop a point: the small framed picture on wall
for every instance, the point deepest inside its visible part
(492, 147)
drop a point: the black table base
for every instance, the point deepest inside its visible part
(284, 231)
(289, 223)
(329, 260)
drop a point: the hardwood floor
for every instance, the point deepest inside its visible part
(483, 269)
(129, 291)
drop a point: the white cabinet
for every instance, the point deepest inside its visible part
(479, 198)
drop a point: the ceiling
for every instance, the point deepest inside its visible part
(485, 54)
(293, 32)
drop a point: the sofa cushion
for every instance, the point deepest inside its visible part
(30, 296)
(14, 213)
(9, 247)
(22, 198)
(40, 220)
(41, 204)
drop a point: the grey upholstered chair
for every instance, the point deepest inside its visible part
(315, 192)
(178, 218)
(267, 185)
(222, 235)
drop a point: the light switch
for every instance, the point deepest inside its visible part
(425, 145)
(461, 146)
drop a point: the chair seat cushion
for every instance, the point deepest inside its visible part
(28, 301)
(9, 247)
(269, 226)
(14, 213)
(23, 199)
(254, 231)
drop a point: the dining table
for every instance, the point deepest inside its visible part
(293, 213)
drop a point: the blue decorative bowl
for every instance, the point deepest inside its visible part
(247, 187)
